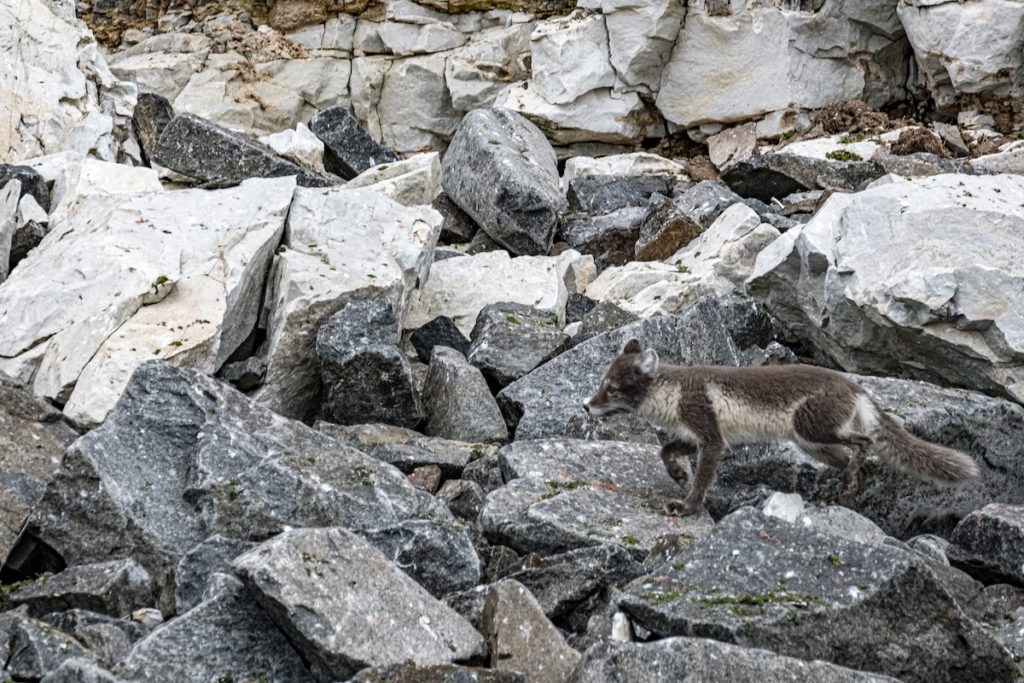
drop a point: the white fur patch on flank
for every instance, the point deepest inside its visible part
(739, 421)
(864, 418)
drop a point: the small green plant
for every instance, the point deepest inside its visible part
(160, 282)
(630, 540)
(679, 566)
(504, 655)
(565, 485)
(513, 319)
(835, 560)
(843, 155)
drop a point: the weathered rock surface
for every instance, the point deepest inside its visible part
(597, 194)
(365, 376)
(664, 230)
(705, 659)
(457, 401)
(440, 558)
(522, 639)
(204, 150)
(412, 181)
(343, 245)
(298, 145)
(947, 319)
(31, 648)
(346, 607)
(227, 635)
(641, 36)
(510, 340)
(777, 174)
(117, 588)
(478, 71)
(564, 494)
(438, 673)
(31, 183)
(611, 238)
(501, 171)
(79, 670)
(990, 543)
(570, 57)
(192, 575)
(171, 275)
(440, 331)
(33, 437)
(152, 114)
(349, 148)
(218, 464)
(787, 588)
(548, 402)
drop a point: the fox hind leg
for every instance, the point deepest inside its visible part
(837, 420)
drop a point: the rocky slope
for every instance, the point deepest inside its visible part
(299, 302)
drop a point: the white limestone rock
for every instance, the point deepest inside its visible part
(299, 145)
(717, 262)
(1009, 159)
(366, 86)
(163, 73)
(461, 287)
(121, 279)
(967, 47)
(570, 57)
(58, 92)
(641, 34)
(402, 40)
(634, 163)
(342, 244)
(917, 277)
(758, 59)
(410, 182)
(477, 72)
(601, 115)
(8, 222)
(414, 108)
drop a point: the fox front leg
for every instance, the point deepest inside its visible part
(676, 456)
(710, 454)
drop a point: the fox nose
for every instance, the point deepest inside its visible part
(586, 405)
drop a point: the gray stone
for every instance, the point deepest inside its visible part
(548, 402)
(664, 230)
(33, 437)
(152, 114)
(203, 150)
(25, 239)
(597, 194)
(930, 547)
(776, 175)
(463, 497)
(564, 581)
(799, 593)
(193, 572)
(521, 637)
(108, 639)
(216, 463)
(921, 164)
(564, 494)
(79, 670)
(246, 374)
(458, 402)
(704, 202)
(989, 543)
(441, 331)
(440, 558)
(227, 637)
(458, 227)
(116, 587)
(32, 183)
(611, 238)
(702, 659)
(510, 340)
(439, 673)
(365, 376)
(486, 472)
(501, 170)
(346, 607)
(578, 306)
(33, 648)
(604, 317)
(407, 449)
(426, 478)
(348, 148)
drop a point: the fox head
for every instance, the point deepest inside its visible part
(626, 381)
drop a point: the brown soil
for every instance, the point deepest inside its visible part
(852, 116)
(917, 140)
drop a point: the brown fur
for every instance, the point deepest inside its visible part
(707, 409)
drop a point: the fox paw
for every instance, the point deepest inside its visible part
(680, 508)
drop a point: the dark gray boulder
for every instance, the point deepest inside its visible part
(440, 558)
(757, 581)
(604, 317)
(599, 194)
(108, 639)
(548, 402)
(610, 238)
(464, 498)
(246, 374)
(365, 376)
(578, 306)
(152, 114)
(564, 494)
(704, 202)
(439, 673)
(701, 659)
(193, 572)
(227, 637)
(441, 331)
(31, 648)
(79, 670)
(25, 239)
(201, 149)
(458, 403)
(116, 587)
(502, 171)
(510, 340)
(346, 607)
(33, 436)
(31, 183)
(989, 543)
(215, 463)
(458, 227)
(348, 148)
(664, 230)
(777, 175)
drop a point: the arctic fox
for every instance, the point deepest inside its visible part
(707, 409)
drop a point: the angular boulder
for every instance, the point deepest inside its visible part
(458, 402)
(440, 331)
(569, 57)
(346, 607)
(501, 171)
(811, 596)
(598, 194)
(510, 340)
(349, 149)
(946, 319)
(116, 587)
(990, 543)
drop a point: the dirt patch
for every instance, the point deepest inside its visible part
(915, 140)
(852, 116)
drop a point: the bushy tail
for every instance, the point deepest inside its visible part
(906, 452)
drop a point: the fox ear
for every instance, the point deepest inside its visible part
(648, 363)
(631, 346)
